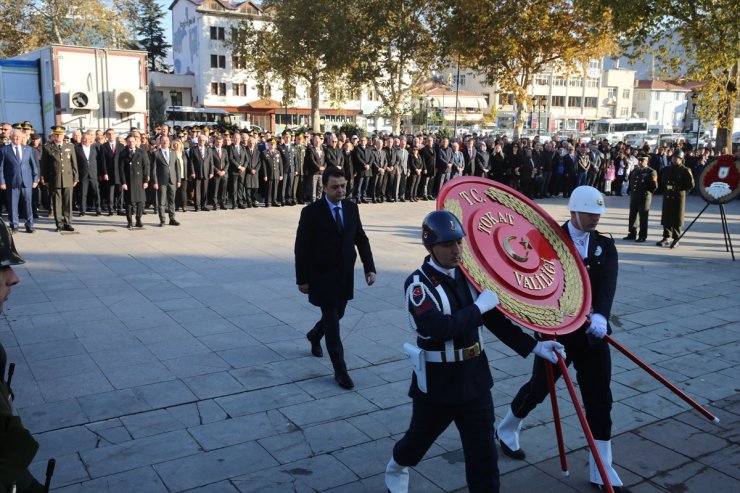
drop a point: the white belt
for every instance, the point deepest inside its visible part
(454, 355)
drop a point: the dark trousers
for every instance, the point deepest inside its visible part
(61, 200)
(13, 195)
(329, 326)
(671, 232)
(474, 421)
(413, 186)
(271, 192)
(166, 200)
(90, 185)
(236, 183)
(617, 186)
(219, 190)
(139, 206)
(639, 208)
(299, 188)
(314, 187)
(286, 188)
(181, 195)
(201, 193)
(112, 192)
(593, 373)
(360, 190)
(401, 186)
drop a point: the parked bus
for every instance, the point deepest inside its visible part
(187, 116)
(615, 129)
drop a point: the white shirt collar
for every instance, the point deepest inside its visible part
(448, 272)
(580, 239)
(332, 205)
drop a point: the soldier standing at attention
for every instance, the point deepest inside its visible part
(675, 180)
(643, 182)
(448, 315)
(59, 171)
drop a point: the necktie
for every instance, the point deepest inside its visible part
(338, 218)
(18, 153)
(167, 156)
(112, 148)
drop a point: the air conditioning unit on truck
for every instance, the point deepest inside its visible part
(91, 88)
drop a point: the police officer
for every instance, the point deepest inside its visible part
(17, 446)
(675, 180)
(643, 183)
(586, 347)
(452, 380)
(59, 171)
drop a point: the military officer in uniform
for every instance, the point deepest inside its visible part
(643, 183)
(272, 173)
(134, 172)
(452, 380)
(59, 171)
(290, 163)
(17, 446)
(586, 347)
(675, 180)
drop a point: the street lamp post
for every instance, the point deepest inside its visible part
(540, 103)
(173, 95)
(457, 90)
(694, 104)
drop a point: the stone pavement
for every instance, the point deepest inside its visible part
(176, 360)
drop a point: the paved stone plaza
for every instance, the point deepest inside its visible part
(175, 359)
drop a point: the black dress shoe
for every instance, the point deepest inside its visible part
(630, 237)
(514, 454)
(617, 489)
(13, 230)
(174, 222)
(130, 226)
(67, 227)
(663, 242)
(110, 213)
(82, 214)
(674, 243)
(344, 380)
(98, 213)
(315, 346)
(139, 225)
(161, 224)
(640, 240)
(29, 229)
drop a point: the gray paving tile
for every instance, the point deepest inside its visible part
(313, 474)
(263, 400)
(42, 417)
(151, 423)
(198, 413)
(64, 441)
(214, 466)
(196, 364)
(329, 437)
(82, 384)
(110, 404)
(329, 409)
(287, 447)
(165, 394)
(241, 429)
(214, 385)
(69, 469)
(141, 480)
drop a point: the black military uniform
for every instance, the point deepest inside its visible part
(272, 173)
(675, 180)
(643, 183)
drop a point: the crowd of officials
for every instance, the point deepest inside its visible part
(201, 169)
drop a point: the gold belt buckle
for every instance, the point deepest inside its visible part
(471, 352)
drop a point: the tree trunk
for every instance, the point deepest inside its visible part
(519, 127)
(315, 91)
(724, 132)
(395, 121)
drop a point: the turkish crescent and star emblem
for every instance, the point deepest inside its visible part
(514, 248)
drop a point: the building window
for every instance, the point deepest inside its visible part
(656, 116)
(505, 99)
(640, 114)
(558, 101)
(657, 96)
(640, 95)
(624, 112)
(592, 82)
(290, 92)
(609, 112)
(218, 61)
(574, 102)
(540, 80)
(264, 91)
(458, 80)
(590, 102)
(218, 88)
(611, 92)
(238, 62)
(575, 82)
(594, 63)
(176, 98)
(239, 89)
(625, 93)
(217, 33)
(678, 96)
(558, 81)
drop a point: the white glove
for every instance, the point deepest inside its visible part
(549, 350)
(598, 326)
(486, 301)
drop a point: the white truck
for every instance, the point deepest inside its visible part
(89, 88)
(20, 94)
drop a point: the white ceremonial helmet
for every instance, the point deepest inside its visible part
(587, 199)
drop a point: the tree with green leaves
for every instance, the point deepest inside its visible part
(708, 35)
(83, 23)
(15, 24)
(157, 105)
(151, 35)
(394, 50)
(305, 43)
(510, 41)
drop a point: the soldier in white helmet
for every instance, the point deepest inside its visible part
(585, 347)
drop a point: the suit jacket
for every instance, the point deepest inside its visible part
(313, 160)
(482, 168)
(252, 163)
(333, 157)
(59, 165)
(403, 161)
(164, 171)
(360, 158)
(444, 156)
(109, 161)
(469, 156)
(134, 172)
(324, 257)
(220, 163)
(429, 157)
(379, 161)
(88, 167)
(200, 165)
(288, 157)
(271, 164)
(16, 173)
(237, 157)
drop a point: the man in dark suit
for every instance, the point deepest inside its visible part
(314, 165)
(252, 166)
(134, 172)
(290, 167)
(88, 162)
(328, 232)
(272, 173)
(220, 168)
(110, 181)
(59, 172)
(166, 179)
(428, 173)
(200, 170)
(237, 157)
(19, 172)
(362, 159)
